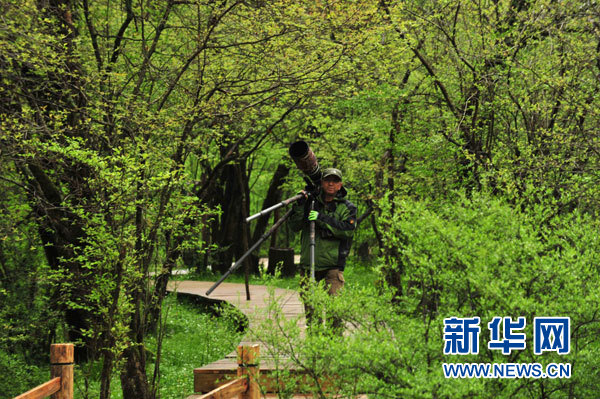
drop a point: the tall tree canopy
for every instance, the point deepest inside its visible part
(124, 122)
(130, 133)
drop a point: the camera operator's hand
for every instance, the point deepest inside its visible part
(301, 201)
(313, 215)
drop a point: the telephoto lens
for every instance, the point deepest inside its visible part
(306, 161)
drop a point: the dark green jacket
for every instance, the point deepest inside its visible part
(334, 230)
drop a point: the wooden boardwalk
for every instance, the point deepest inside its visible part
(209, 376)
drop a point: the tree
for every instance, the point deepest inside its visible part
(470, 95)
(499, 75)
(104, 108)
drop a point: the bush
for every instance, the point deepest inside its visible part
(477, 257)
(18, 377)
(483, 257)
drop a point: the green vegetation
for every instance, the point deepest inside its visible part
(19, 375)
(473, 257)
(135, 137)
(193, 334)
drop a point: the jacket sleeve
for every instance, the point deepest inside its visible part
(296, 218)
(342, 226)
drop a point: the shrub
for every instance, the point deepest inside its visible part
(17, 376)
(476, 257)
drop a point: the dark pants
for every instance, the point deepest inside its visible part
(334, 282)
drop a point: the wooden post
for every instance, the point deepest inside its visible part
(248, 365)
(61, 365)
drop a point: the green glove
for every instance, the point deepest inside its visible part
(313, 215)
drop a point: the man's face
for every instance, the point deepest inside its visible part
(331, 185)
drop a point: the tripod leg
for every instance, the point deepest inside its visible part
(244, 256)
(312, 243)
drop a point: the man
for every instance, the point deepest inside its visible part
(335, 221)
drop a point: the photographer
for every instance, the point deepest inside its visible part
(335, 221)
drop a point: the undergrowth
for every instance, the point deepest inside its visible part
(194, 335)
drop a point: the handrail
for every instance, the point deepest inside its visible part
(230, 390)
(246, 385)
(42, 391)
(61, 374)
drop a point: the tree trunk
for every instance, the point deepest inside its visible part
(133, 378)
(244, 231)
(172, 253)
(227, 230)
(227, 234)
(273, 197)
(393, 270)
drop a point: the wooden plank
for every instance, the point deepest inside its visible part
(267, 363)
(208, 382)
(218, 366)
(62, 353)
(229, 390)
(42, 391)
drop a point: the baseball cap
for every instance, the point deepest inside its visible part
(331, 172)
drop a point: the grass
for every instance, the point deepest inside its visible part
(192, 339)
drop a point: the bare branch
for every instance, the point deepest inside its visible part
(93, 34)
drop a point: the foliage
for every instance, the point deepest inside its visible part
(18, 374)
(192, 336)
(135, 137)
(107, 109)
(27, 322)
(471, 257)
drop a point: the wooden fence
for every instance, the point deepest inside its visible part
(246, 385)
(61, 375)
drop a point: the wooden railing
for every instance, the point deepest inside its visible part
(246, 385)
(61, 374)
